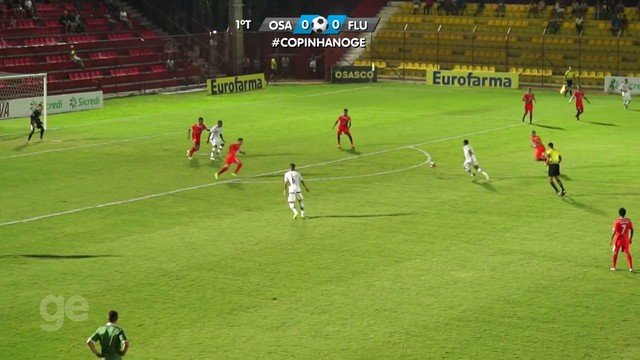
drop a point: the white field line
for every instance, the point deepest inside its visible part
(207, 108)
(426, 154)
(152, 196)
(88, 145)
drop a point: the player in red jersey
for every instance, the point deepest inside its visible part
(344, 127)
(623, 235)
(195, 132)
(579, 95)
(529, 98)
(232, 159)
(536, 143)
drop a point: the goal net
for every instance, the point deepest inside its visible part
(20, 93)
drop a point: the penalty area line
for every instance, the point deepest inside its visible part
(202, 186)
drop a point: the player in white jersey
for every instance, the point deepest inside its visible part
(292, 182)
(217, 140)
(470, 160)
(626, 93)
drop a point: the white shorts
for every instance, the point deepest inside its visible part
(469, 163)
(295, 196)
(626, 96)
(217, 142)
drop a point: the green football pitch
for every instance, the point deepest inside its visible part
(395, 259)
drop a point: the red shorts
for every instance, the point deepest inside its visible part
(580, 106)
(196, 142)
(231, 160)
(344, 131)
(528, 107)
(539, 153)
(623, 245)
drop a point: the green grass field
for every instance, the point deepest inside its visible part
(395, 260)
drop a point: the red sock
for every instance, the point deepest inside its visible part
(615, 260)
(238, 168)
(629, 260)
(223, 170)
(193, 149)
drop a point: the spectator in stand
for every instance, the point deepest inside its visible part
(583, 8)
(245, 64)
(574, 7)
(624, 25)
(460, 7)
(416, 7)
(615, 25)
(284, 61)
(440, 7)
(480, 8)
(542, 6)
(428, 4)
(28, 7)
(124, 17)
(256, 65)
(579, 20)
(171, 65)
(78, 22)
(73, 56)
(560, 9)
(619, 9)
(533, 9)
(554, 24)
(274, 68)
(68, 22)
(110, 20)
(501, 8)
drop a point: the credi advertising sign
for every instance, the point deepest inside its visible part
(56, 104)
(353, 74)
(612, 84)
(236, 84)
(472, 79)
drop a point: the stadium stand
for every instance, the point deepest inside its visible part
(116, 58)
(409, 44)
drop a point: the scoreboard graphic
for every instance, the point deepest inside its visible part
(316, 24)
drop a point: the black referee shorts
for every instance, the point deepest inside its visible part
(569, 83)
(37, 124)
(554, 170)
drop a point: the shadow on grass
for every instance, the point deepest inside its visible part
(549, 127)
(583, 206)
(352, 151)
(486, 185)
(565, 177)
(55, 257)
(194, 163)
(599, 123)
(356, 216)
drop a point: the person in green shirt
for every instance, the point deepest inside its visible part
(113, 342)
(569, 76)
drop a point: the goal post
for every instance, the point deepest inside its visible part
(20, 93)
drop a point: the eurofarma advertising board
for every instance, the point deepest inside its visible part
(472, 79)
(236, 84)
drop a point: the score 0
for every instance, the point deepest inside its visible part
(243, 24)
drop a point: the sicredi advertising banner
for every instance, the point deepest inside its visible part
(472, 79)
(612, 84)
(56, 104)
(236, 84)
(353, 74)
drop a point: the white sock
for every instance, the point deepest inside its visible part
(293, 207)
